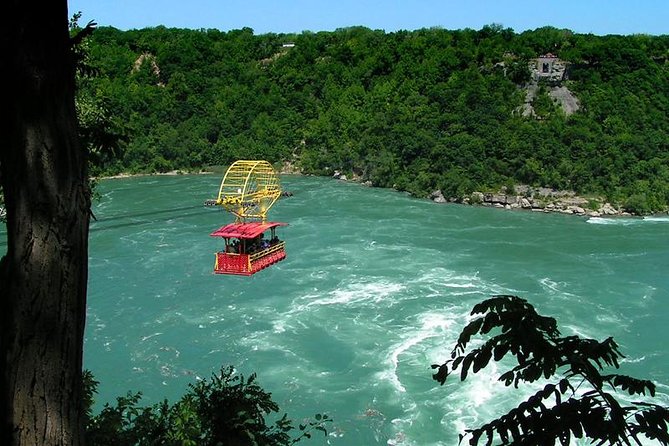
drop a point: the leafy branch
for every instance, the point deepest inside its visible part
(228, 409)
(563, 409)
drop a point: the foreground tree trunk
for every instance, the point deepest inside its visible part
(43, 276)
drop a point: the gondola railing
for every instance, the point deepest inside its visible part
(247, 264)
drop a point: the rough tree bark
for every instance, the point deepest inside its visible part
(43, 276)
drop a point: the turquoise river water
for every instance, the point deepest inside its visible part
(375, 289)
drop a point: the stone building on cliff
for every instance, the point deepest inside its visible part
(548, 67)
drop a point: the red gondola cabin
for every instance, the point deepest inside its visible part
(247, 251)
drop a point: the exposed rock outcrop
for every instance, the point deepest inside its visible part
(290, 168)
(437, 197)
(551, 72)
(561, 96)
(151, 59)
(339, 176)
(538, 199)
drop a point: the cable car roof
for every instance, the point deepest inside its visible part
(245, 230)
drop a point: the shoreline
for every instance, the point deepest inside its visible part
(528, 198)
(540, 199)
(532, 199)
(170, 173)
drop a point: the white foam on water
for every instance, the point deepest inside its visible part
(477, 392)
(148, 182)
(158, 358)
(319, 275)
(609, 319)
(129, 238)
(627, 221)
(357, 294)
(94, 324)
(196, 316)
(401, 342)
(446, 283)
(602, 221)
(556, 289)
(578, 331)
(662, 394)
(456, 406)
(144, 338)
(430, 325)
(482, 398)
(632, 360)
(279, 326)
(427, 339)
(435, 290)
(263, 341)
(657, 219)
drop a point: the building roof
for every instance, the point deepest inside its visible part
(245, 230)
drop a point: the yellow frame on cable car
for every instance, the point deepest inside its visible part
(249, 189)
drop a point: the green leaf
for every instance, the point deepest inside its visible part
(465, 366)
(500, 350)
(482, 358)
(470, 330)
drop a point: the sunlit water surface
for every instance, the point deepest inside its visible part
(375, 289)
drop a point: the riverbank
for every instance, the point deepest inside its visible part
(539, 199)
(170, 173)
(523, 197)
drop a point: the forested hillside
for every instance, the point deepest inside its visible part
(418, 111)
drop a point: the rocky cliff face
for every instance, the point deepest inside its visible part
(551, 73)
(560, 94)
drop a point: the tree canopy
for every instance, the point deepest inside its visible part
(415, 110)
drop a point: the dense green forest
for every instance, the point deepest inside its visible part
(414, 110)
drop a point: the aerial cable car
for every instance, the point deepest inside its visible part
(248, 191)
